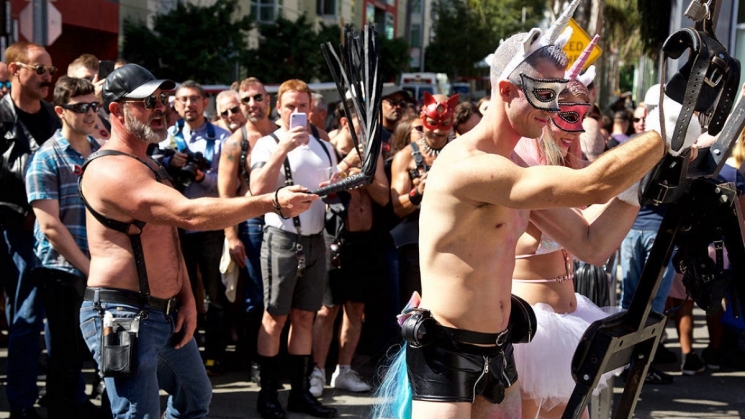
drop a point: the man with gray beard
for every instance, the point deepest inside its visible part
(132, 215)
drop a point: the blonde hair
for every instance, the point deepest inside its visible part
(738, 151)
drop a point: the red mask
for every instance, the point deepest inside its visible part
(440, 112)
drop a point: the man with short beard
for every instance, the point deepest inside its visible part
(392, 107)
(194, 135)
(244, 240)
(228, 105)
(26, 122)
(137, 271)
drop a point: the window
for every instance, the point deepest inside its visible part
(416, 7)
(416, 35)
(326, 7)
(266, 10)
(390, 25)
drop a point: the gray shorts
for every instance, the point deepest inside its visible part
(283, 289)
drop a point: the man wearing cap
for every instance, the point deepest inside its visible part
(393, 106)
(26, 122)
(137, 278)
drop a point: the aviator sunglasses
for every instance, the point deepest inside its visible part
(235, 110)
(258, 98)
(39, 69)
(81, 107)
(151, 101)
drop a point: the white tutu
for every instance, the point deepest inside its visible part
(544, 364)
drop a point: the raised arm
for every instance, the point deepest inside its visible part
(493, 179)
(157, 203)
(591, 235)
(264, 171)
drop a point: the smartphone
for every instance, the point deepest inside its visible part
(105, 67)
(298, 119)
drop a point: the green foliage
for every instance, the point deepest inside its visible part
(290, 50)
(190, 42)
(466, 31)
(394, 57)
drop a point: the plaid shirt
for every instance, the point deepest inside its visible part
(52, 173)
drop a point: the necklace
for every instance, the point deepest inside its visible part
(429, 150)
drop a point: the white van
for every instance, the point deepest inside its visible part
(418, 83)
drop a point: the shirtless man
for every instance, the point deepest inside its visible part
(409, 180)
(244, 240)
(130, 193)
(355, 266)
(475, 209)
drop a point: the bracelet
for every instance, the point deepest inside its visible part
(275, 204)
(415, 197)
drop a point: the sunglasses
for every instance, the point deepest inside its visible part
(235, 110)
(81, 107)
(395, 103)
(151, 101)
(258, 98)
(5, 84)
(40, 69)
(639, 119)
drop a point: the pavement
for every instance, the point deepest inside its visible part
(712, 394)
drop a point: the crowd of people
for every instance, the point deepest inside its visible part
(123, 198)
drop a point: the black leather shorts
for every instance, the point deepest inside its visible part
(446, 371)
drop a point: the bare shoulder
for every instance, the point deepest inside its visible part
(117, 180)
(233, 143)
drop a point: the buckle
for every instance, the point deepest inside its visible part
(171, 304)
(502, 337)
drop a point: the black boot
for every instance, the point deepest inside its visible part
(268, 404)
(300, 398)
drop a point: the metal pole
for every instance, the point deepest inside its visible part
(40, 21)
(424, 30)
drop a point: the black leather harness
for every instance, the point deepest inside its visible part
(134, 231)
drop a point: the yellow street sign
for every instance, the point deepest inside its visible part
(577, 43)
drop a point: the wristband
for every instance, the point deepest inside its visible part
(415, 197)
(275, 204)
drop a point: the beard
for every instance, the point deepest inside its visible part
(258, 116)
(142, 131)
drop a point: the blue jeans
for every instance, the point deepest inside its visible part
(25, 316)
(251, 233)
(159, 366)
(635, 250)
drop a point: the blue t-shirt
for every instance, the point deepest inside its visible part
(52, 173)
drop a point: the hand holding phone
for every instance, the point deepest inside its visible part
(298, 119)
(105, 67)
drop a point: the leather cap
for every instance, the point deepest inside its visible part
(132, 81)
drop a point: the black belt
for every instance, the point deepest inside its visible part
(130, 298)
(469, 337)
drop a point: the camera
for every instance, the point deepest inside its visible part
(185, 175)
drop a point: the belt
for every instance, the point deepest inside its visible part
(130, 298)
